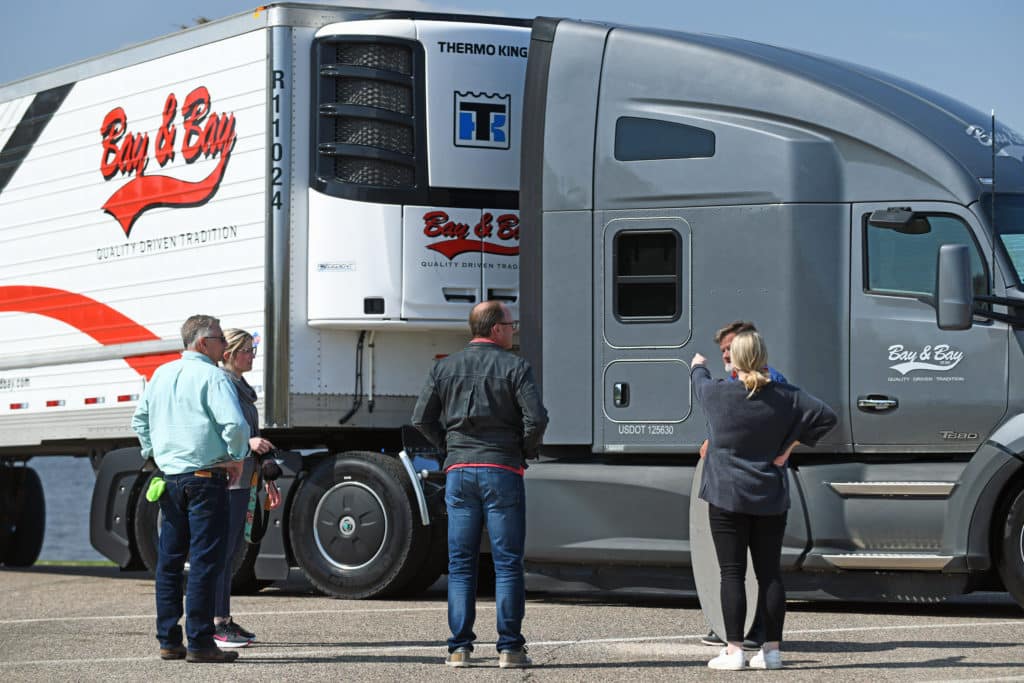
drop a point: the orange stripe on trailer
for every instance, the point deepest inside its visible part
(99, 321)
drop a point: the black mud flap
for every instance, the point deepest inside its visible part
(110, 530)
(274, 560)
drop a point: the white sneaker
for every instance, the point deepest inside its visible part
(770, 659)
(728, 662)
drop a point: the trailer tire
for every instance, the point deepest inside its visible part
(354, 529)
(27, 520)
(1010, 548)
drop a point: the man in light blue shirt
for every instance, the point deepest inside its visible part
(190, 422)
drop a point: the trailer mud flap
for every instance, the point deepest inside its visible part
(119, 475)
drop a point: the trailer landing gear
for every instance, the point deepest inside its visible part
(22, 516)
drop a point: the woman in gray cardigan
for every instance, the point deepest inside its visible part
(238, 356)
(753, 425)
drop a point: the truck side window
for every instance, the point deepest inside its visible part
(647, 276)
(904, 262)
(639, 139)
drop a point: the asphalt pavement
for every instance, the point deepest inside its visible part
(97, 624)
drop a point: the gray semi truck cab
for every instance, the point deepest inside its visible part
(676, 182)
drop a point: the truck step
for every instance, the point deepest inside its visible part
(877, 489)
(894, 561)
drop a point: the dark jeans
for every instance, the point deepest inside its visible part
(497, 497)
(194, 514)
(238, 505)
(733, 533)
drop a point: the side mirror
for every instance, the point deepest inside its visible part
(900, 219)
(954, 295)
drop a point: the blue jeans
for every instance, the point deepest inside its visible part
(497, 497)
(195, 514)
(238, 505)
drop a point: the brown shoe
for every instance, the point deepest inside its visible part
(173, 652)
(212, 655)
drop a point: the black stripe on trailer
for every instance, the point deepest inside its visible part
(29, 128)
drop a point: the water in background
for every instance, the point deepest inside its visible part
(67, 487)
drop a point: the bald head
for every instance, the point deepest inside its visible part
(492, 320)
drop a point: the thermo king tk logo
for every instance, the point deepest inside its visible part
(482, 120)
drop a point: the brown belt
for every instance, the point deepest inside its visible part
(211, 474)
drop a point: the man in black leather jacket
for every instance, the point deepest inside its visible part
(482, 407)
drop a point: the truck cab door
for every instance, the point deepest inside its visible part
(913, 386)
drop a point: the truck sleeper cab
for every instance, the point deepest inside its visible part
(675, 182)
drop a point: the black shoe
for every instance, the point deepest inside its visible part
(212, 655)
(712, 639)
(226, 638)
(173, 652)
(238, 630)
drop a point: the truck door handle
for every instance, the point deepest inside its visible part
(620, 394)
(876, 403)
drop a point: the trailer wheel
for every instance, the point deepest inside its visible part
(353, 527)
(1010, 555)
(23, 513)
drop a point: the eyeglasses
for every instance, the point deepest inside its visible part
(514, 324)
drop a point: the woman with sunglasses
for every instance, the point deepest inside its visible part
(238, 356)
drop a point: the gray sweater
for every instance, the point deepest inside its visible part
(745, 435)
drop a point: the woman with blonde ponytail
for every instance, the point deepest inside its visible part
(750, 361)
(753, 426)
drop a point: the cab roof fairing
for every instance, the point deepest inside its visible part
(906, 114)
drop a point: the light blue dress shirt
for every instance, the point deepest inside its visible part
(189, 418)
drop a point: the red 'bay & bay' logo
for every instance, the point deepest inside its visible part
(204, 134)
(455, 237)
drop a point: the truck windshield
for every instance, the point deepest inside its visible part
(1009, 218)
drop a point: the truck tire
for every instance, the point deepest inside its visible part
(243, 577)
(1010, 548)
(146, 536)
(146, 528)
(354, 529)
(434, 564)
(25, 517)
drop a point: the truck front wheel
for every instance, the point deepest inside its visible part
(354, 530)
(23, 516)
(1010, 555)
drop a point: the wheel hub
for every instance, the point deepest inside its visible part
(347, 526)
(350, 525)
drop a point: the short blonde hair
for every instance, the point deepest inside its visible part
(750, 355)
(235, 340)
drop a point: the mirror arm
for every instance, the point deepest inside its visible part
(1015, 320)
